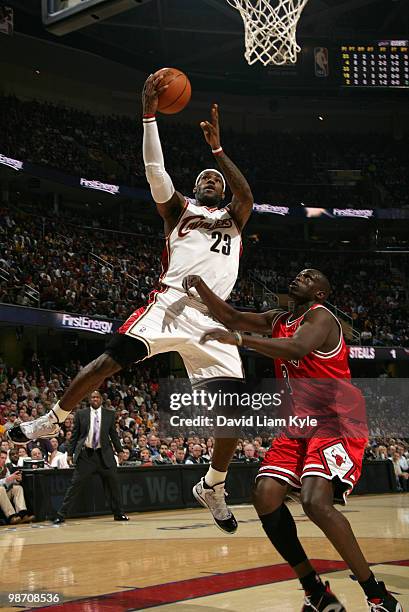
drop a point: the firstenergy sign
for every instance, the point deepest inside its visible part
(86, 324)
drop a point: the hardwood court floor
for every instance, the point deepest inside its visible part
(178, 560)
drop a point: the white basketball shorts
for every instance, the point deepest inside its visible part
(172, 321)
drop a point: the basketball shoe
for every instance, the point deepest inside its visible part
(323, 601)
(213, 498)
(44, 427)
(387, 604)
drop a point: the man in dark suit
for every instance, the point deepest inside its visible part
(90, 448)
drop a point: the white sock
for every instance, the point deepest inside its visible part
(213, 477)
(59, 413)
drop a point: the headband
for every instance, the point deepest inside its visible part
(211, 170)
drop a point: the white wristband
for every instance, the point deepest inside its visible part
(217, 151)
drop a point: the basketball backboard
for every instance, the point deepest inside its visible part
(64, 16)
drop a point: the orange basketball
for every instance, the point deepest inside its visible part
(177, 95)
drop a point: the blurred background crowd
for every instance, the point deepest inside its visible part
(60, 264)
(283, 169)
(134, 395)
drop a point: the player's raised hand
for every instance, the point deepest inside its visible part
(211, 129)
(151, 91)
(191, 281)
(220, 335)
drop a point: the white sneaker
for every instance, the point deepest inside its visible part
(43, 427)
(213, 498)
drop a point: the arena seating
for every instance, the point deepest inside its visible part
(134, 395)
(105, 273)
(285, 169)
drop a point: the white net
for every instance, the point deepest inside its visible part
(270, 31)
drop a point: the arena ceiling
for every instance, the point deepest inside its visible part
(205, 37)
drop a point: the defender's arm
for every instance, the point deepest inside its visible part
(226, 314)
(309, 337)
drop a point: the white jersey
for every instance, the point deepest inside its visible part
(205, 242)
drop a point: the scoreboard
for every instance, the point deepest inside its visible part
(380, 64)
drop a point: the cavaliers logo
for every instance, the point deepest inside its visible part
(198, 222)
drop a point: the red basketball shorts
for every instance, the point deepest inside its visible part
(337, 459)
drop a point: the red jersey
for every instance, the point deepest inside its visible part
(316, 364)
(319, 384)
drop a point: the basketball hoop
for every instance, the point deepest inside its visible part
(270, 31)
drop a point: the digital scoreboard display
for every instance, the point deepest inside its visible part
(381, 64)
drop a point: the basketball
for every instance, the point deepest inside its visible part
(177, 95)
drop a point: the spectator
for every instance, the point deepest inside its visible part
(249, 454)
(153, 445)
(127, 443)
(180, 456)
(164, 457)
(401, 477)
(12, 502)
(239, 452)
(261, 453)
(196, 456)
(57, 459)
(22, 454)
(63, 448)
(145, 458)
(124, 460)
(12, 459)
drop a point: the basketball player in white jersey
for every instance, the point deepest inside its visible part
(202, 238)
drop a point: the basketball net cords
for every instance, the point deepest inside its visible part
(270, 31)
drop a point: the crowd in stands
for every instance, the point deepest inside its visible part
(82, 271)
(51, 263)
(284, 169)
(134, 395)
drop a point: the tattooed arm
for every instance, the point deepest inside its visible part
(241, 205)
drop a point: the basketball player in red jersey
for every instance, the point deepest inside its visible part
(308, 344)
(203, 237)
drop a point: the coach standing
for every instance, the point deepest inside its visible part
(93, 435)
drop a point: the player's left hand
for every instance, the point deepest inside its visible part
(220, 335)
(211, 129)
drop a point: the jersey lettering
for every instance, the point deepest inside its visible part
(198, 222)
(217, 236)
(206, 242)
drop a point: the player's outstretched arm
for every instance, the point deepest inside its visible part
(168, 201)
(241, 205)
(309, 337)
(230, 317)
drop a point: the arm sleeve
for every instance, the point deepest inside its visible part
(161, 185)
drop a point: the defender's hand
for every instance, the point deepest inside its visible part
(151, 90)
(220, 335)
(211, 130)
(191, 281)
